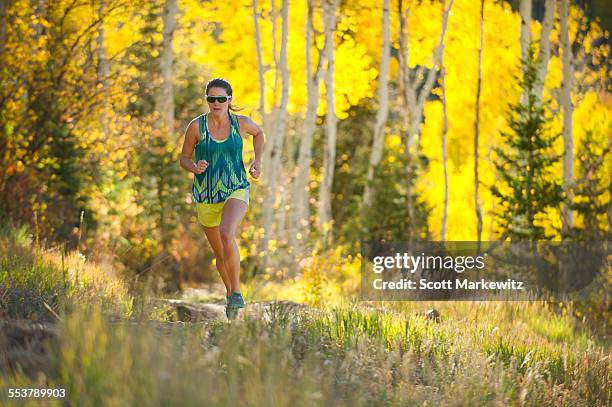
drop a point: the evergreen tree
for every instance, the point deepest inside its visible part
(65, 184)
(590, 202)
(592, 193)
(525, 164)
(164, 185)
(144, 58)
(388, 217)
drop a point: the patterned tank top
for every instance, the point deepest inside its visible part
(225, 172)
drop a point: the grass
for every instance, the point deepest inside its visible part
(39, 283)
(313, 357)
(344, 352)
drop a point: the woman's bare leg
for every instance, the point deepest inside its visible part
(233, 212)
(214, 238)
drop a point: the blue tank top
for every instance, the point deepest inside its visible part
(225, 172)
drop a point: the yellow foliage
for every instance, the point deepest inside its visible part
(218, 37)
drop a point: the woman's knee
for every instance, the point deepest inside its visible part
(227, 234)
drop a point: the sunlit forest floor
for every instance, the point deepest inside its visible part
(108, 346)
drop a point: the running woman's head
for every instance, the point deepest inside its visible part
(219, 95)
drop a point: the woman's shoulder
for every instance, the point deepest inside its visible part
(196, 120)
(248, 126)
(244, 121)
(193, 128)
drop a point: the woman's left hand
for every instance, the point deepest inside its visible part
(255, 169)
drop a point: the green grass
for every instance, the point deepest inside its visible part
(313, 357)
(347, 353)
(34, 279)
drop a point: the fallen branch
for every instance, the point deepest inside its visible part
(52, 312)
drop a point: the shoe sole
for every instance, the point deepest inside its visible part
(231, 310)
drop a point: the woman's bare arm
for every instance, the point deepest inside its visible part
(191, 139)
(250, 127)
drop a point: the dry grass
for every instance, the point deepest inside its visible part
(342, 353)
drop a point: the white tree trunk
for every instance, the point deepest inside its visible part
(165, 100)
(444, 126)
(403, 52)
(525, 12)
(301, 213)
(274, 50)
(329, 158)
(566, 103)
(266, 222)
(260, 67)
(281, 118)
(430, 78)
(413, 104)
(544, 52)
(383, 102)
(274, 165)
(444, 157)
(407, 99)
(271, 140)
(477, 131)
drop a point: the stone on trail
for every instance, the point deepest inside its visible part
(193, 312)
(433, 315)
(203, 312)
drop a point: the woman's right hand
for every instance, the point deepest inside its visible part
(201, 166)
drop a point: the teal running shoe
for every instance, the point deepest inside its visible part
(235, 302)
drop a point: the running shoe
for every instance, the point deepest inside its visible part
(237, 300)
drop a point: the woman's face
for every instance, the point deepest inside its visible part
(216, 106)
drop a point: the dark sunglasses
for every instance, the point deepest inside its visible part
(220, 99)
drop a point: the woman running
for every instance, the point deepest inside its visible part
(220, 186)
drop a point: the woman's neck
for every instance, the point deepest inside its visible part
(218, 118)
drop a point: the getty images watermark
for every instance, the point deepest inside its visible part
(427, 270)
(459, 264)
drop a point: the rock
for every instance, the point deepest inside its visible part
(433, 315)
(188, 312)
(26, 333)
(24, 343)
(198, 312)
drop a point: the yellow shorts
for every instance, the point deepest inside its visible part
(209, 215)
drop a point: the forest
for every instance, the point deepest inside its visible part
(407, 120)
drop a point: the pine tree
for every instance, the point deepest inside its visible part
(162, 184)
(144, 57)
(592, 193)
(525, 163)
(166, 185)
(67, 177)
(590, 201)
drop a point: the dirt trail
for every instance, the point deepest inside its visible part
(205, 304)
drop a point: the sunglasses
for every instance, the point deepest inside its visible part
(220, 99)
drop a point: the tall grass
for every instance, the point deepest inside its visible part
(312, 357)
(342, 353)
(32, 276)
